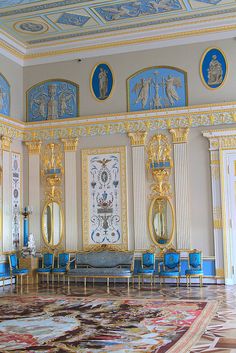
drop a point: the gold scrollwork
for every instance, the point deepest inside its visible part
(34, 147)
(179, 135)
(161, 218)
(6, 143)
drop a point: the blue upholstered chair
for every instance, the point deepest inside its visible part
(15, 270)
(47, 266)
(170, 266)
(147, 267)
(63, 260)
(195, 268)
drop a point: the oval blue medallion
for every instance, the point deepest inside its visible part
(213, 68)
(102, 81)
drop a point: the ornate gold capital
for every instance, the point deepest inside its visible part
(70, 144)
(34, 147)
(179, 135)
(137, 138)
(6, 143)
(220, 272)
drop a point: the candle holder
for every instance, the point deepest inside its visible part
(25, 213)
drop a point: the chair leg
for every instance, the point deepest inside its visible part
(128, 283)
(84, 282)
(21, 281)
(190, 284)
(200, 281)
(108, 283)
(27, 280)
(139, 282)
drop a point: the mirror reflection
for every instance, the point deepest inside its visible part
(162, 221)
(52, 223)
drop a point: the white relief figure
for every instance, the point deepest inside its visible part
(121, 11)
(40, 100)
(52, 103)
(31, 244)
(65, 98)
(215, 72)
(156, 99)
(171, 83)
(162, 5)
(143, 89)
(103, 83)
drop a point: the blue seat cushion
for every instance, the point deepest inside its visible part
(145, 271)
(90, 272)
(43, 270)
(169, 273)
(5, 275)
(194, 272)
(20, 271)
(59, 270)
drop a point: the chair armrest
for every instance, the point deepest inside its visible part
(69, 263)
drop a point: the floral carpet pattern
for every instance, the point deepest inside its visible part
(59, 323)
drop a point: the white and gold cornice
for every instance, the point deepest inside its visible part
(131, 122)
(221, 139)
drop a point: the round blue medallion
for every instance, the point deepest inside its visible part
(213, 68)
(102, 81)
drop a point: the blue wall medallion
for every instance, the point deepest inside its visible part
(213, 68)
(53, 99)
(102, 81)
(4, 96)
(158, 87)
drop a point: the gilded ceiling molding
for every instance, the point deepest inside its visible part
(179, 135)
(6, 143)
(34, 147)
(70, 144)
(137, 138)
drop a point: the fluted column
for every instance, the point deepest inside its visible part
(216, 204)
(180, 137)
(34, 148)
(142, 240)
(6, 195)
(71, 210)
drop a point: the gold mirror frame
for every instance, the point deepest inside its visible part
(52, 246)
(150, 222)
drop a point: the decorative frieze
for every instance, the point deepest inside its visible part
(137, 138)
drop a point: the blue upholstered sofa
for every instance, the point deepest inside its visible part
(102, 264)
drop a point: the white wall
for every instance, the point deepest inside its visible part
(186, 57)
(14, 75)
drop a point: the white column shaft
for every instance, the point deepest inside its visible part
(71, 214)
(182, 196)
(142, 240)
(6, 197)
(217, 212)
(34, 198)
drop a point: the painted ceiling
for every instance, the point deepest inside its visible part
(35, 23)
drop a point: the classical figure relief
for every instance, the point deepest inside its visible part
(102, 81)
(52, 100)
(139, 8)
(215, 72)
(213, 68)
(156, 88)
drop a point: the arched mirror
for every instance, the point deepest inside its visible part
(52, 224)
(161, 221)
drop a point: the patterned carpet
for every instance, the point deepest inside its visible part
(57, 323)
